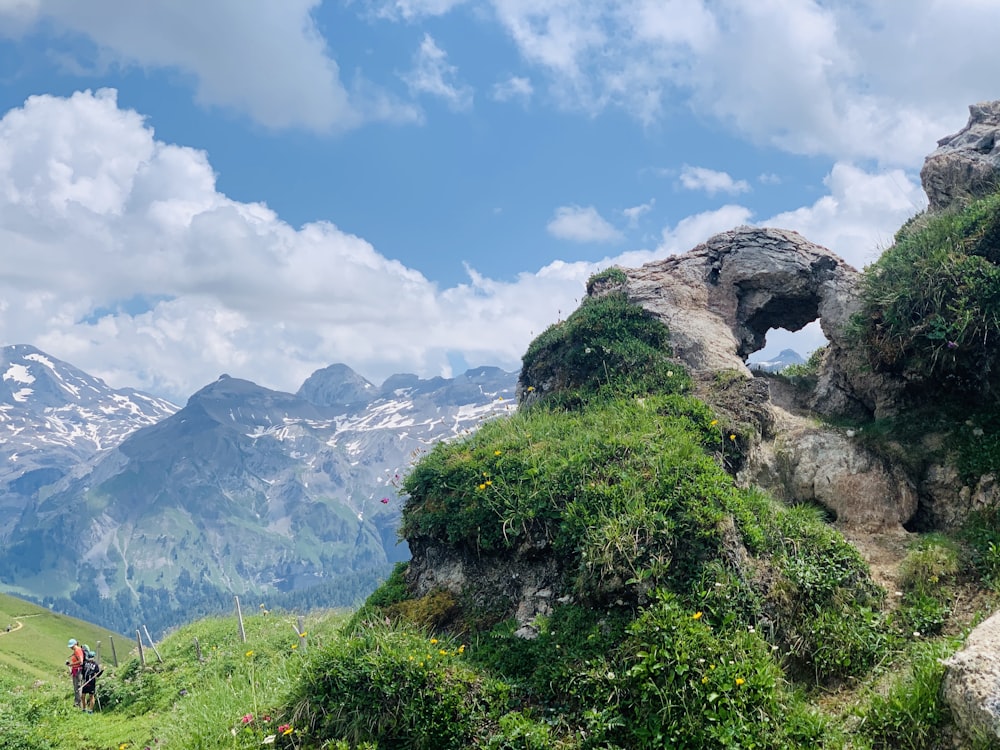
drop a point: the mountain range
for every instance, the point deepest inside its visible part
(778, 363)
(127, 509)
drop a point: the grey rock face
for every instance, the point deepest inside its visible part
(720, 299)
(972, 682)
(967, 164)
(808, 462)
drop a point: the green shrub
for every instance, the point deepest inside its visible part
(395, 688)
(929, 565)
(981, 532)
(611, 276)
(516, 731)
(688, 686)
(922, 614)
(808, 370)
(931, 304)
(608, 344)
(909, 715)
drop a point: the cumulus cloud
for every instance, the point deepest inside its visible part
(433, 75)
(806, 76)
(582, 224)
(97, 216)
(711, 181)
(414, 9)
(861, 213)
(265, 59)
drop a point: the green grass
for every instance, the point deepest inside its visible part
(179, 702)
(931, 304)
(35, 648)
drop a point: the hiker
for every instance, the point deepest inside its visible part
(91, 671)
(75, 665)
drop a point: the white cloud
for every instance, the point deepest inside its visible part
(414, 9)
(634, 213)
(266, 59)
(711, 181)
(432, 74)
(515, 87)
(582, 224)
(94, 212)
(861, 213)
(808, 76)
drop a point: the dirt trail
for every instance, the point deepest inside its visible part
(14, 626)
(883, 551)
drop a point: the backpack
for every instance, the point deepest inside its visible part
(91, 670)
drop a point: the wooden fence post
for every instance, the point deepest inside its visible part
(152, 645)
(239, 615)
(142, 655)
(197, 649)
(114, 654)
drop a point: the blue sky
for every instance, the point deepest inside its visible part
(265, 188)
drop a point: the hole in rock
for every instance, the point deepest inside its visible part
(783, 347)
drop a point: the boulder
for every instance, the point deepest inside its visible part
(808, 462)
(965, 165)
(971, 685)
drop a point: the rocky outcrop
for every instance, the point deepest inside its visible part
(948, 501)
(807, 462)
(720, 299)
(965, 165)
(524, 585)
(971, 684)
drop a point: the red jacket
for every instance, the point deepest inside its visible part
(76, 660)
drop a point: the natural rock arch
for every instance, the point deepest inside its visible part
(720, 299)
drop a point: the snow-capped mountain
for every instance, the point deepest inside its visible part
(244, 489)
(54, 418)
(785, 358)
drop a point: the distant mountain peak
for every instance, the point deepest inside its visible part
(338, 387)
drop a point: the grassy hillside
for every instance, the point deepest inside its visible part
(35, 647)
(684, 611)
(232, 698)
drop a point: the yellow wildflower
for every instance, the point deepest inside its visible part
(732, 437)
(696, 616)
(713, 423)
(249, 654)
(497, 453)
(740, 680)
(434, 640)
(704, 680)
